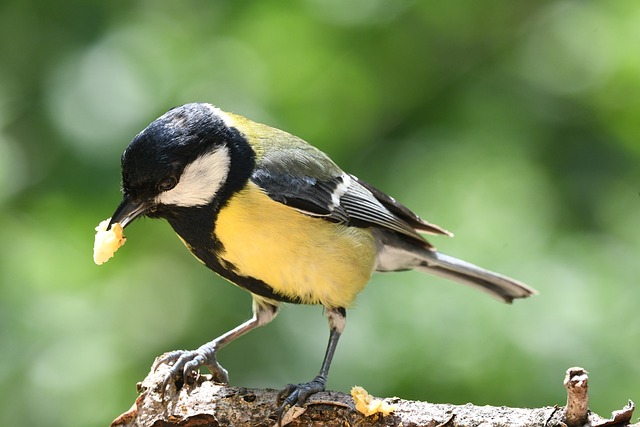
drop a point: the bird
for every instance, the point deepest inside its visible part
(277, 217)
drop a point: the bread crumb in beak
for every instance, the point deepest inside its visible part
(106, 241)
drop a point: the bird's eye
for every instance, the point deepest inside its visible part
(167, 184)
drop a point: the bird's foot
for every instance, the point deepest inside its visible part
(297, 394)
(186, 364)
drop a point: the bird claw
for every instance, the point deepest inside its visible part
(185, 366)
(297, 394)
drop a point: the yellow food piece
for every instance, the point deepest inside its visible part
(107, 242)
(368, 405)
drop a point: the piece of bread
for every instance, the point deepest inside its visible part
(107, 242)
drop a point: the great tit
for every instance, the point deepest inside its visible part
(275, 216)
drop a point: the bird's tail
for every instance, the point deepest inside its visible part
(497, 285)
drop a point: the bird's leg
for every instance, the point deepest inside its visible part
(299, 393)
(185, 364)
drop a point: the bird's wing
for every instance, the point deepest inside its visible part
(305, 179)
(398, 210)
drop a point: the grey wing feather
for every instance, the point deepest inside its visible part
(379, 208)
(362, 205)
(403, 212)
(307, 180)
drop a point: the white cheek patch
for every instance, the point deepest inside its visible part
(200, 181)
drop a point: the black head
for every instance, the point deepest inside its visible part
(182, 159)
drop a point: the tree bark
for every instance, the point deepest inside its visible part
(207, 404)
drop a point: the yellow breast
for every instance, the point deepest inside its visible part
(301, 257)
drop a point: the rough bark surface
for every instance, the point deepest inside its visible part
(214, 405)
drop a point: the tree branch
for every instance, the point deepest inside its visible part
(577, 410)
(207, 404)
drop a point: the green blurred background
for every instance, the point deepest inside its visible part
(514, 124)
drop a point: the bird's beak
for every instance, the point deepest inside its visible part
(127, 211)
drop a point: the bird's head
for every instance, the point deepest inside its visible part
(181, 160)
